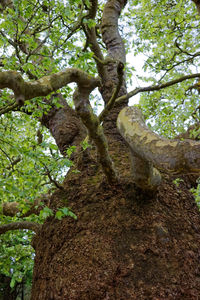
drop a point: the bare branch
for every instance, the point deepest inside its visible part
(175, 156)
(157, 87)
(52, 180)
(20, 225)
(116, 53)
(109, 29)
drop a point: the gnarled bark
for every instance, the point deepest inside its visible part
(64, 124)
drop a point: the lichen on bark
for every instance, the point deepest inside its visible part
(174, 156)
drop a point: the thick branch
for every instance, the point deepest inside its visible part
(13, 208)
(110, 32)
(170, 155)
(20, 225)
(157, 87)
(116, 54)
(145, 175)
(45, 85)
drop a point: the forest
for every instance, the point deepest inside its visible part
(99, 150)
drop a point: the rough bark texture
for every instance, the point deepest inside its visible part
(116, 52)
(64, 125)
(125, 244)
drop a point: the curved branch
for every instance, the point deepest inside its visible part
(45, 85)
(170, 155)
(20, 225)
(157, 87)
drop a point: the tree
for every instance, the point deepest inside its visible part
(109, 205)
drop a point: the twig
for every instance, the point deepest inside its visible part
(157, 87)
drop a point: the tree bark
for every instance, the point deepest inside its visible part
(125, 244)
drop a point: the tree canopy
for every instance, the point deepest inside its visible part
(59, 62)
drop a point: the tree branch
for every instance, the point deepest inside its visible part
(111, 102)
(95, 130)
(63, 123)
(174, 156)
(45, 85)
(20, 225)
(157, 87)
(109, 29)
(92, 39)
(51, 179)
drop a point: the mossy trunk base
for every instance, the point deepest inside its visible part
(125, 244)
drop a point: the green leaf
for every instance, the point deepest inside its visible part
(12, 283)
(59, 215)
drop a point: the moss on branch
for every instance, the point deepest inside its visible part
(45, 85)
(95, 130)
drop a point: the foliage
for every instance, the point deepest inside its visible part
(16, 257)
(196, 193)
(166, 36)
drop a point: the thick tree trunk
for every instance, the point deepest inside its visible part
(125, 244)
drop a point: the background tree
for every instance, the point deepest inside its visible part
(120, 220)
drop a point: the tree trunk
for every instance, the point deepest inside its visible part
(125, 244)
